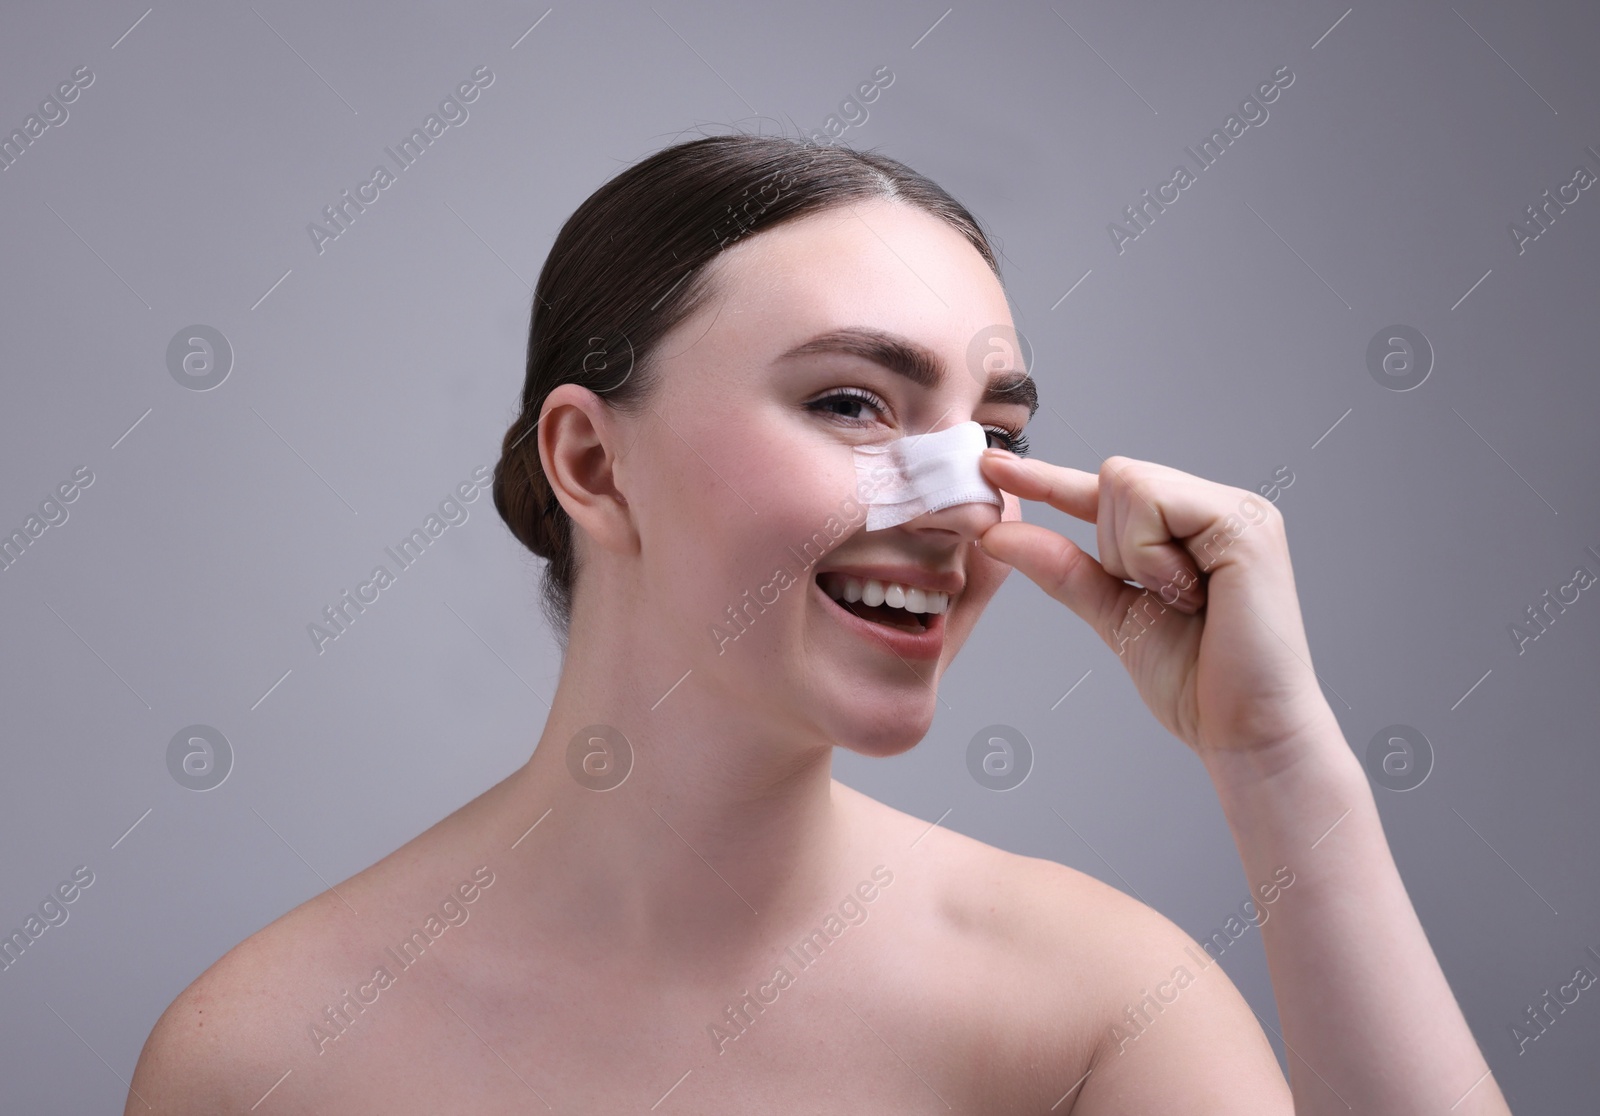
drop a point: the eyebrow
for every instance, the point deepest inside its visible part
(915, 362)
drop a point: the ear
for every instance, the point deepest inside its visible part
(580, 446)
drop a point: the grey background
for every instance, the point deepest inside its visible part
(1227, 341)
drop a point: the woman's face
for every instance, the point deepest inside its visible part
(741, 477)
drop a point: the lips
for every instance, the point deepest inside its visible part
(923, 643)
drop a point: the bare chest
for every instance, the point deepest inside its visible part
(880, 1030)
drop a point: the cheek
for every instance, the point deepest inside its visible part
(1013, 508)
(758, 465)
(729, 511)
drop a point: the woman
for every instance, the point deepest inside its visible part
(672, 905)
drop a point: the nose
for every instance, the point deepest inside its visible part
(967, 521)
(940, 470)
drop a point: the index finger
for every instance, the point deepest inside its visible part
(1070, 490)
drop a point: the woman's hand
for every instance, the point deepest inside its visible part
(1213, 639)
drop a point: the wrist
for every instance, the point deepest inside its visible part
(1318, 754)
(1282, 803)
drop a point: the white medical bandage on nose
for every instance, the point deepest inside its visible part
(900, 480)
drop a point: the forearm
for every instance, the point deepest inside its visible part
(1369, 1019)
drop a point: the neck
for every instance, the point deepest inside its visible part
(724, 833)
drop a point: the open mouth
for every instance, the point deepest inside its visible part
(893, 606)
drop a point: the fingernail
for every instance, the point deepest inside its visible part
(995, 453)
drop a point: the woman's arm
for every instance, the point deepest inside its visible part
(1369, 1021)
(1212, 636)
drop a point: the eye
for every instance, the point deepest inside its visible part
(845, 400)
(1015, 440)
(851, 399)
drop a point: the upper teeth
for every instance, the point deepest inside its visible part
(874, 592)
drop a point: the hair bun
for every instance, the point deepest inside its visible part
(517, 495)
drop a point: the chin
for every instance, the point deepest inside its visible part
(888, 751)
(887, 731)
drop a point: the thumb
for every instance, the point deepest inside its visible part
(1059, 567)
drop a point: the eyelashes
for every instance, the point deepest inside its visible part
(1015, 440)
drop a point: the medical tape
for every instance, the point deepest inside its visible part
(900, 480)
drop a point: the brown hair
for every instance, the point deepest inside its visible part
(630, 265)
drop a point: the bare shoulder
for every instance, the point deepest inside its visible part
(1077, 939)
(1164, 1026)
(1031, 902)
(261, 1010)
(1028, 949)
(220, 1044)
(1167, 1028)
(1117, 1008)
